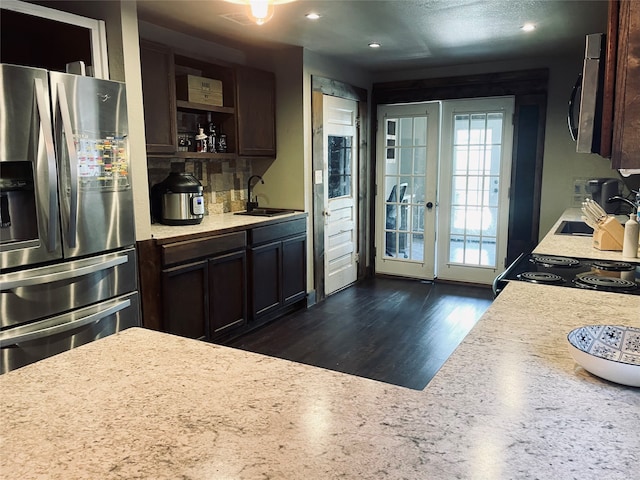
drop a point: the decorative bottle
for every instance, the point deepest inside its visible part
(212, 136)
(201, 141)
(222, 143)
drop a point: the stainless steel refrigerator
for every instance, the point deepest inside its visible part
(68, 272)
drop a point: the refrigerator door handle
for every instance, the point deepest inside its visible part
(56, 325)
(47, 134)
(19, 280)
(63, 107)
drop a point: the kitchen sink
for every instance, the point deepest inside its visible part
(266, 212)
(568, 227)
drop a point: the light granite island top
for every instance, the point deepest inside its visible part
(509, 403)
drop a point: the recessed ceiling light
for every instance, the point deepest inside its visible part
(528, 27)
(312, 16)
(375, 45)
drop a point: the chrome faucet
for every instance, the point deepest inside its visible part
(251, 205)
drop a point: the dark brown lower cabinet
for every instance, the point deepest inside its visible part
(227, 293)
(277, 269)
(267, 280)
(205, 299)
(217, 287)
(185, 299)
(294, 269)
(204, 286)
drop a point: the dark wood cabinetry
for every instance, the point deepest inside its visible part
(266, 288)
(203, 285)
(218, 286)
(185, 299)
(205, 299)
(191, 114)
(256, 112)
(294, 271)
(227, 292)
(158, 91)
(246, 116)
(278, 268)
(625, 151)
(621, 110)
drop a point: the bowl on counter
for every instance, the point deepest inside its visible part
(611, 352)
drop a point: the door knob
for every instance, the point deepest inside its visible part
(429, 205)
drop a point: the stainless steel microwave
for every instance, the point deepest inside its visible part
(585, 104)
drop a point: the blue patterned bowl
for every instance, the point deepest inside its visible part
(611, 352)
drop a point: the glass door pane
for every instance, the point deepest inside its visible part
(477, 150)
(339, 162)
(404, 187)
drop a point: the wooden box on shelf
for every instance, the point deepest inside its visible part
(203, 90)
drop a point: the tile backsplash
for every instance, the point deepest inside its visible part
(224, 182)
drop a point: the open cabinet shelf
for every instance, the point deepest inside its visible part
(246, 117)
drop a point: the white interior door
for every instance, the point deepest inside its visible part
(407, 168)
(475, 172)
(340, 148)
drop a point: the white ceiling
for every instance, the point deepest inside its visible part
(413, 33)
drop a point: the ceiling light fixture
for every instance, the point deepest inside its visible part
(375, 45)
(528, 27)
(261, 11)
(312, 16)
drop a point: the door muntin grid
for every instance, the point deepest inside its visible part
(404, 187)
(475, 188)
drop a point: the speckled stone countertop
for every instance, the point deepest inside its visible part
(215, 224)
(573, 245)
(509, 403)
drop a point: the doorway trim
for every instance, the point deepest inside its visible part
(321, 86)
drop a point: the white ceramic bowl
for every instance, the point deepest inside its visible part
(611, 352)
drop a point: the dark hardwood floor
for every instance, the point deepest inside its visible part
(393, 330)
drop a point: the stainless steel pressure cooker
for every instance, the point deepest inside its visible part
(178, 200)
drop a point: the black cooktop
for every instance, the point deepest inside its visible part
(589, 274)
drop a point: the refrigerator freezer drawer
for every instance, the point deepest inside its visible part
(20, 346)
(41, 292)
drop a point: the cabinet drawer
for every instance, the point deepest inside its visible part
(180, 252)
(279, 230)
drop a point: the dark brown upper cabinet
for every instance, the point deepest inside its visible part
(246, 116)
(159, 97)
(625, 150)
(255, 90)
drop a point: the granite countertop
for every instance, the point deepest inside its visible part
(509, 403)
(215, 224)
(574, 245)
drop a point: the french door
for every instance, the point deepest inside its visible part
(475, 164)
(406, 191)
(443, 175)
